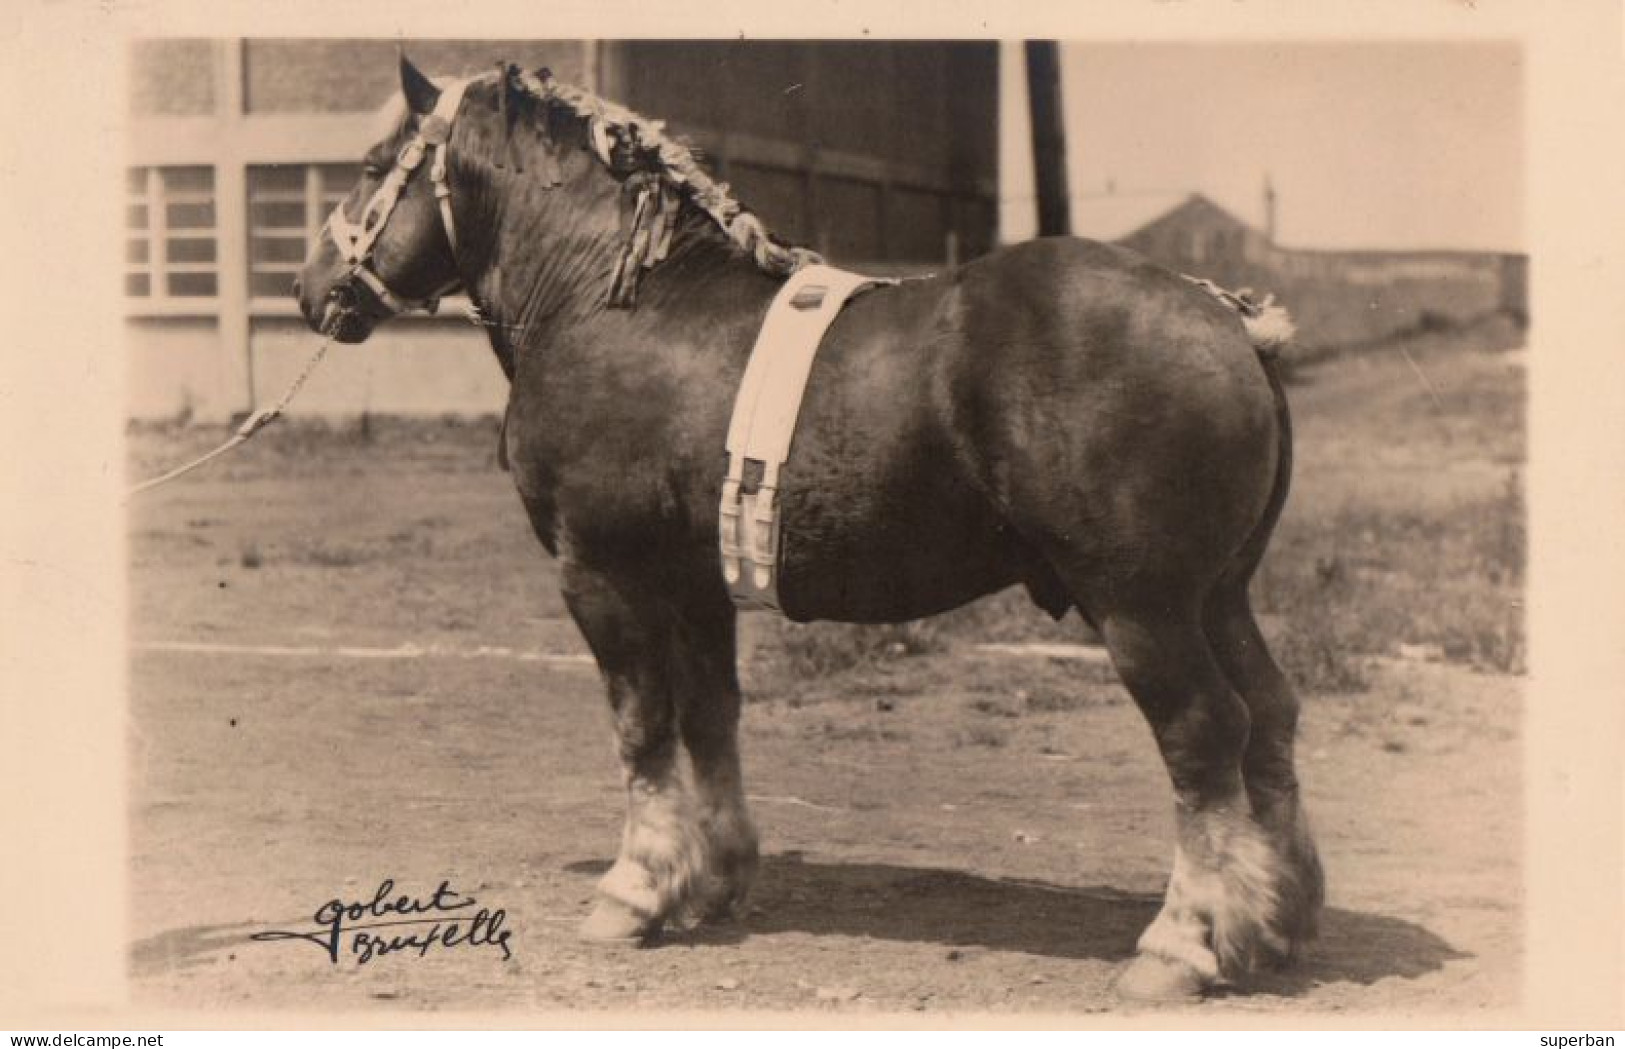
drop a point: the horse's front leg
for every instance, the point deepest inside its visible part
(706, 690)
(667, 662)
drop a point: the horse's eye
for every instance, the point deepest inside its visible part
(372, 171)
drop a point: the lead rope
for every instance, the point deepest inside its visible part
(252, 425)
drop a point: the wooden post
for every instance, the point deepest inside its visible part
(236, 389)
(589, 67)
(610, 71)
(1269, 208)
(1049, 138)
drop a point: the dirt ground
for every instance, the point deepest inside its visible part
(349, 663)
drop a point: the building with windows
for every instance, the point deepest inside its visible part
(881, 154)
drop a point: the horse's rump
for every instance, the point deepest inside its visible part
(1059, 392)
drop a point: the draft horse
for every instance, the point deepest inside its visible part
(1061, 414)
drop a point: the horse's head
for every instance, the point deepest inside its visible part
(393, 244)
(390, 245)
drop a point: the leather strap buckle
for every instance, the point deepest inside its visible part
(435, 130)
(810, 297)
(411, 155)
(728, 531)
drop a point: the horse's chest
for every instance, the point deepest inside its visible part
(619, 476)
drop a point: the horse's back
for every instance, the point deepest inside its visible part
(1096, 316)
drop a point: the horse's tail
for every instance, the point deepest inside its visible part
(1252, 551)
(1270, 329)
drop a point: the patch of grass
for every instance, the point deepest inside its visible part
(1053, 700)
(1011, 616)
(406, 542)
(311, 446)
(1319, 658)
(321, 554)
(855, 733)
(820, 649)
(1361, 582)
(980, 736)
(797, 652)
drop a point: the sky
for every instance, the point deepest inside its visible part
(1369, 145)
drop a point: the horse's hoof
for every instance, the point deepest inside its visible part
(1152, 978)
(614, 922)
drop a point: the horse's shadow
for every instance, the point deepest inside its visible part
(960, 910)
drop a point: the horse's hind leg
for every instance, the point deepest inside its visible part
(1220, 915)
(1268, 768)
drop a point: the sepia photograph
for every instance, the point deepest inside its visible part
(807, 528)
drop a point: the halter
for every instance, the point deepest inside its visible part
(355, 240)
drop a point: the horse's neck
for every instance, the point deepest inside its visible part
(554, 256)
(550, 248)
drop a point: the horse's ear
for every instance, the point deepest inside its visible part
(419, 90)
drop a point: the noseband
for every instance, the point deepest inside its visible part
(355, 240)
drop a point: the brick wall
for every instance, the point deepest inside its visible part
(323, 76)
(172, 78)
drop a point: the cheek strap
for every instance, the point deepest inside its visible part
(355, 240)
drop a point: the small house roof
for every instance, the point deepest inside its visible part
(1112, 216)
(1118, 216)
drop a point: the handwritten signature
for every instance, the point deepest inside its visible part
(440, 920)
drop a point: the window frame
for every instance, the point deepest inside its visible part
(312, 198)
(158, 268)
(318, 202)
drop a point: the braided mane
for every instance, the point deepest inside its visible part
(679, 176)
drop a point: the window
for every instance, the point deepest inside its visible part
(287, 204)
(170, 246)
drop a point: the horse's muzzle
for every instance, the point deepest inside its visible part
(317, 312)
(344, 317)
